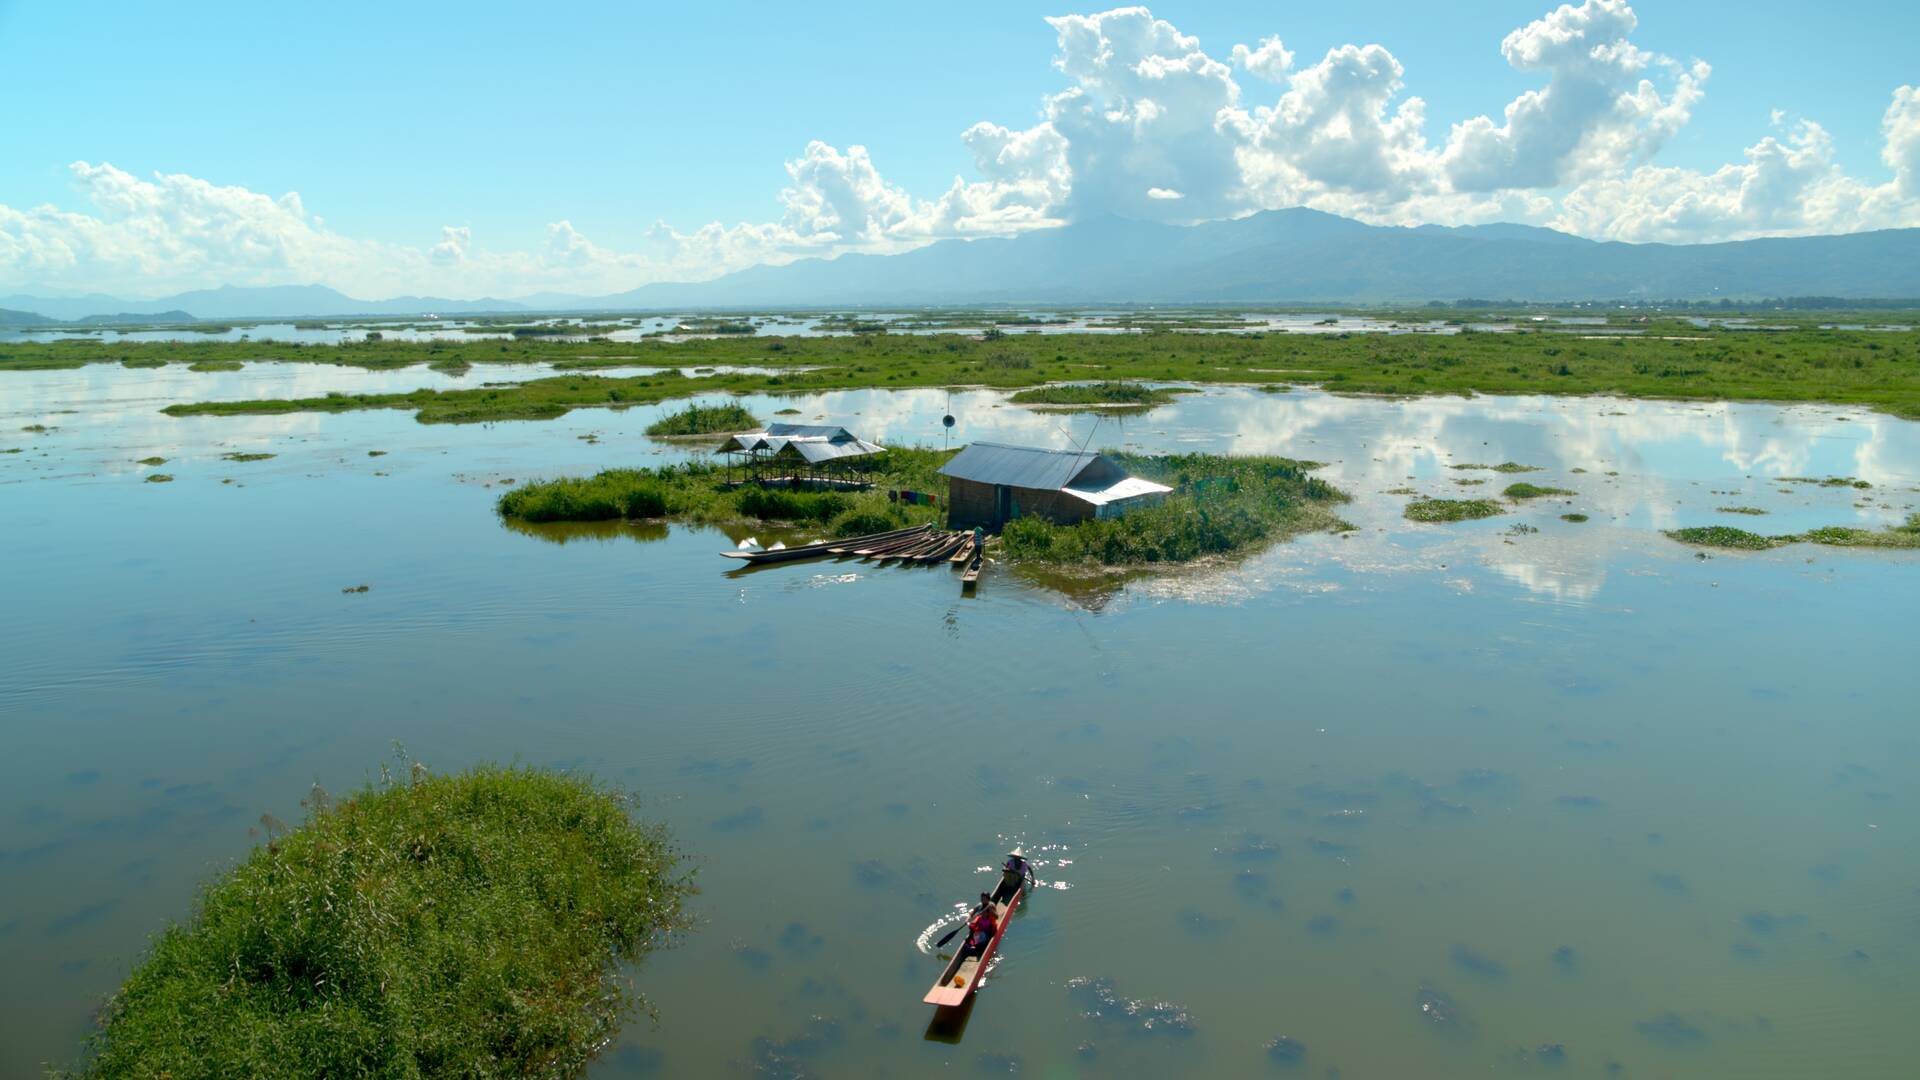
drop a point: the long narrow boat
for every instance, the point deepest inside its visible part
(883, 545)
(962, 974)
(965, 553)
(821, 549)
(972, 577)
(941, 551)
(908, 552)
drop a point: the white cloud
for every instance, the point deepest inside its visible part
(1148, 125)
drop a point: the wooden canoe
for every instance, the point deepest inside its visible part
(941, 552)
(819, 550)
(962, 975)
(965, 553)
(886, 544)
(972, 577)
(912, 550)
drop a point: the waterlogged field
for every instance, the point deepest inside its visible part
(1516, 795)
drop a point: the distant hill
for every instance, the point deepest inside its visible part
(1306, 256)
(17, 319)
(1278, 256)
(124, 318)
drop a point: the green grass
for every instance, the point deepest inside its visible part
(1445, 510)
(1880, 369)
(1518, 492)
(697, 492)
(704, 420)
(1219, 506)
(475, 925)
(1127, 394)
(215, 365)
(1904, 536)
(1753, 511)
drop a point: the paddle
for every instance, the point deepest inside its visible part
(962, 926)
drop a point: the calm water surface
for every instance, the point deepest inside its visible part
(1587, 798)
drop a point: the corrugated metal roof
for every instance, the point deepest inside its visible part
(806, 431)
(816, 451)
(1130, 487)
(1018, 466)
(777, 437)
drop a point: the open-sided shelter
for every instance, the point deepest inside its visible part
(797, 453)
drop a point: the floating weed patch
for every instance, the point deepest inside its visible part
(1903, 536)
(36, 429)
(1128, 394)
(1574, 518)
(215, 365)
(1465, 481)
(471, 925)
(1505, 467)
(1829, 481)
(1753, 511)
(244, 456)
(151, 461)
(1401, 491)
(376, 453)
(159, 478)
(704, 420)
(1520, 491)
(786, 412)
(1446, 510)
(450, 367)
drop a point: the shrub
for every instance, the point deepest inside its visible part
(704, 420)
(469, 925)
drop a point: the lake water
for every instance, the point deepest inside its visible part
(641, 328)
(1430, 800)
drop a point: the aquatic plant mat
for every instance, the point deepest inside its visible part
(704, 420)
(700, 492)
(432, 926)
(1906, 536)
(1665, 359)
(1220, 505)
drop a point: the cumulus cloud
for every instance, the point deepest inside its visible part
(1147, 124)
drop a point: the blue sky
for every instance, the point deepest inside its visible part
(395, 122)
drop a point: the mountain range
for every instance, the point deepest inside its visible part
(1277, 256)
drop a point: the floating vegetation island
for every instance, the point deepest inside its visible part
(1906, 535)
(1436, 511)
(1219, 505)
(469, 925)
(1108, 395)
(703, 420)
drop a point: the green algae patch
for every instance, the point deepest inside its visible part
(1826, 481)
(1905, 536)
(238, 455)
(143, 362)
(1522, 491)
(1503, 467)
(704, 420)
(151, 461)
(479, 924)
(215, 365)
(1574, 518)
(1436, 511)
(159, 478)
(1751, 511)
(1220, 505)
(1111, 395)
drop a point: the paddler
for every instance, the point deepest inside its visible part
(1016, 873)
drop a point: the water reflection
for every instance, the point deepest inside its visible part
(566, 532)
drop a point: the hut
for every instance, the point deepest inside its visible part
(798, 455)
(990, 484)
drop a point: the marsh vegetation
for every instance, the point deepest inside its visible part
(468, 925)
(699, 419)
(1904, 536)
(1435, 511)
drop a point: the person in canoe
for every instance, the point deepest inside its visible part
(1015, 874)
(980, 928)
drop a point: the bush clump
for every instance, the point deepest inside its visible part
(1099, 393)
(441, 926)
(1521, 491)
(616, 493)
(704, 420)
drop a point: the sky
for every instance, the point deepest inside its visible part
(477, 149)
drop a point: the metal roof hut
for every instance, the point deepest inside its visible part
(990, 484)
(798, 455)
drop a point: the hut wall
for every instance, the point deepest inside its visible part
(969, 503)
(1054, 506)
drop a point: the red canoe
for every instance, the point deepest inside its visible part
(962, 976)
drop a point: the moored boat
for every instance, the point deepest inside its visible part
(824, 547)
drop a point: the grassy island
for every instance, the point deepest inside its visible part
(703, 420)
(1445, 510)
(436, 926)
(1107, 395)
(1219, 505)
(1905, 536)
